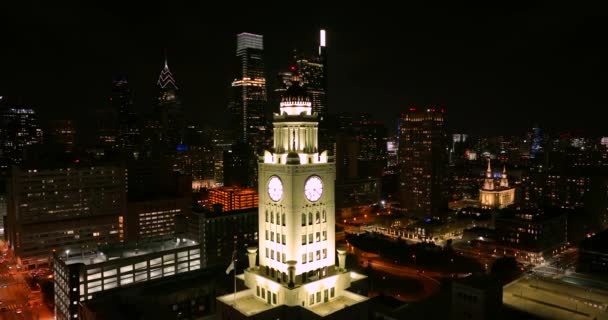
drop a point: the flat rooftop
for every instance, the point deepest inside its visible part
(554, 299)
(124, 250)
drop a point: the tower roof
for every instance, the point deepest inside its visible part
(294, 93)
(166, 80)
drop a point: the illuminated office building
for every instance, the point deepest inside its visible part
(19, 128)
(234, 198)
(423, 160)
(249, 89)
(80, 275)
(74, 207)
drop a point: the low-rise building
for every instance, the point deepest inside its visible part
(593, 254)
(79, 276)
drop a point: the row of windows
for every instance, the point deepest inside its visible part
(327, 294)
(270, 255)
(270, 297)
(317, 255)
(318, 218)
(280, 237)
(280, 217)
(318, 237)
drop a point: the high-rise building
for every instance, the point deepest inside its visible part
(19, 129)
(423, 160)
(296, 223)
(168, 116)
(63, 133)
(249, 99)
(73, 207)
(121, 103)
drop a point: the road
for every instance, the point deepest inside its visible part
(430, 285)
(17, 302)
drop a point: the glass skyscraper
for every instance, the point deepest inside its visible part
(249, 89)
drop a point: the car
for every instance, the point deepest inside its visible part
(19, 310)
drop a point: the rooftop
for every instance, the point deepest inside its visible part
(554, 299)
(123, 250)
(597, 243)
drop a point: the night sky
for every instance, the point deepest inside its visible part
(496, 69)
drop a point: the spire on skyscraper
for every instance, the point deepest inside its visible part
(166, 80)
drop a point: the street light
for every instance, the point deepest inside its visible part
(67, 254)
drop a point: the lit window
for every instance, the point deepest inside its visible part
(303, 258)
(303, 239)
(95, 234)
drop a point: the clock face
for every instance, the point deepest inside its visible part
(275, 188)
(313, 189)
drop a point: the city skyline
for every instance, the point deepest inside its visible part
(496, 71)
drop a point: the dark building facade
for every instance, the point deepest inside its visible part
(532, 233)
(423, 159)
(19, 129)
(220, 233)
(593, 254)
(64, 208)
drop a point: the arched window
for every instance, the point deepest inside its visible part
(266, 215)
(310, 218)
(324, 216)
(303, 219)
(283, 220)
(271, 217)
(278, 218)
(317, 217)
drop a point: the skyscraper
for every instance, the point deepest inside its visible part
(121, 104)
(423, 160)
(19, 129)
(168, 113)
(249, 89)
(296, 276)
(313, 74)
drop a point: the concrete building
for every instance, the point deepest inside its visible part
(80, 275)
(220, 232)
(71, 207)
(234, 198)
(296, 277)
(533, 234)
(593, 254)
(154, 218)
(476, 298)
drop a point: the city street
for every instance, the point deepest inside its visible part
(16, 299)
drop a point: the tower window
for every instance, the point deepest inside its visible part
(303, 219)
(266, 215)
(317, 217)
(283, 239)
(324, 253)
(278, 218)
(310, 218)
(284, 258)
(310, 257)
(310, 238)
(272, 236)
(318, 255)
(283, 220)
(303, 239)
(318, 236)
(271, 217)
(324, 235)
(324, 216)
(266, 234)
(303, 258)
(266, 252)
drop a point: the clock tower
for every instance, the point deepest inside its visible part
(297, 251)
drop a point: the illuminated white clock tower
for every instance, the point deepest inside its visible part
(297, 251)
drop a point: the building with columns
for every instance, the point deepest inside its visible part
(297, 276)
(494, 196)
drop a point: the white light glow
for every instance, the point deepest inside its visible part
(322, 38)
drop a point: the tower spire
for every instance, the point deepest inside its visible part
(504, 181)
(488, 183)
(166, 80)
